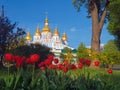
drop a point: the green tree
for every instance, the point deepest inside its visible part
(97, 10)
(114, 21)
(66, 54)
(8, 36)
(82, 51)
(16, 39)
(110, 55)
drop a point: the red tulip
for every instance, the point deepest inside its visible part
(88, 62)
(42, 64)
(8, 57)
(28, 61)
(52, 66)
(96, 63)
(109, 71)
(42, 68)
(65, 62)
(20, 62)
(72, 66)
(56, 60)
(80, 65)
(24, 58)
(65, 69)
(81, 60)
(34, 58)
(16, 58)
(60, 66)
(48, 62)
(50, 57)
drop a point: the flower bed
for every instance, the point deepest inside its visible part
(52, 74)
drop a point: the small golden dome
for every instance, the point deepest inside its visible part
(56, 33)
(28, 37)
(64, 37)
(37, 33)
(46, 27)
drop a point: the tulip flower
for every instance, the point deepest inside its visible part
(109, 71)
(34, 58)
(65, 62)
(72, 66)
(81, 60)
(41, 64)
(80, 65)
(42, 68)
(50, 57)
(65, 69)
(88, 62)
(56, 60)
(15, 58)
(60, 66)
(28, 61)
(8, 57)
(48, 62)
(20, 61)
(96, 63)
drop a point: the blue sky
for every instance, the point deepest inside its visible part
(31, 13)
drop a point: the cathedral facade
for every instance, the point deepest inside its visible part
(49, 39)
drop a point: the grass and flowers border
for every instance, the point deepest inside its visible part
(51, 74)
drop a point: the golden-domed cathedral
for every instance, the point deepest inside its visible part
(47, 38)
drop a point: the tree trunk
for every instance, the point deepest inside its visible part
(95, 42)
(97, 27)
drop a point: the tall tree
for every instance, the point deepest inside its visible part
(8, 36)
(82, 51)
(97, 10)
(110, 55)
(114, 21)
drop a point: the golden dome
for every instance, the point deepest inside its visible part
(46, 27)
(28, 37)
(64, 37)
(56, 33)
(37, 33)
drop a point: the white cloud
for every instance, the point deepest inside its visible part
(73, 29)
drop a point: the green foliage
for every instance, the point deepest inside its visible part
(8, 37)
(110, 54)
(62, 56)
(66, 49)
(57, 80)
(111, 46)
(114, 21)
(21, 41)
(66, 54)
(19, 81)
(90, 5)
(27, 50)
(82, 51)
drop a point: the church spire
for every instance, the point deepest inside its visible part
(2, 12)
(64, 37)
(46, 20)
(37, 33)
(56, 33)
(46, 27)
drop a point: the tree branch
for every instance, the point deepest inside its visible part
(102, 20)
